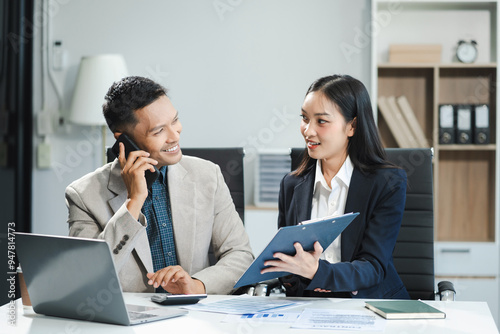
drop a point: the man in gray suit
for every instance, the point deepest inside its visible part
(160, 236)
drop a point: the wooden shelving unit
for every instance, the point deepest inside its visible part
(466, 171)
(416, 82)
(466, 185)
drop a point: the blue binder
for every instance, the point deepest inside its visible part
(324, 230)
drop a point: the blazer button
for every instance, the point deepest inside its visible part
(122, 243)
(115, 251)
(119, 246)
(125, 237)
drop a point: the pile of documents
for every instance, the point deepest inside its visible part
(276, 310)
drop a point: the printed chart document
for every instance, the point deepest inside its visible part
(245, 305)
(339, 319)
(324, 230)
(258, 318)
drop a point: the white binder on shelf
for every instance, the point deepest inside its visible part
(464, 124)
(481, 124)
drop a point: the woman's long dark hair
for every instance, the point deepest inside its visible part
(351, 97)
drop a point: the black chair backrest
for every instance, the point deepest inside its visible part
(414, 252)
(230, 161)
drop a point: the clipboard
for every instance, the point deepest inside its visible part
(325, 230)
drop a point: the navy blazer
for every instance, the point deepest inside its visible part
(366, 269)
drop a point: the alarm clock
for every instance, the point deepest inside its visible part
(467, 51)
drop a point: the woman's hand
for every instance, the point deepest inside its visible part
(302, 263)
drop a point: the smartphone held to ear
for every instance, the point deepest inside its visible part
(129, 147)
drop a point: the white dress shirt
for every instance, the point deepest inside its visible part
(330, 201)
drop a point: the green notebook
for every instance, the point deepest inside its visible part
(404, 309)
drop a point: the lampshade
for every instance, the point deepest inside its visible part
(95, 75)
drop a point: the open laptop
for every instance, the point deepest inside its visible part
(76, 278)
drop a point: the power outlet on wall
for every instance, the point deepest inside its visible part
(58, 56)
(43, 155)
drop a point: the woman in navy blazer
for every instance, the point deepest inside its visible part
(344, 158)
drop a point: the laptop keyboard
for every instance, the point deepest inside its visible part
(140, 315)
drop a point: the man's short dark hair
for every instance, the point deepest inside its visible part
(126, 96)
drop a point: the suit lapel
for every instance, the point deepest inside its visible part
(182, 192)
(357, 201)
(117, 186)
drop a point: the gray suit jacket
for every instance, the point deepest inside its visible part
(203, 213)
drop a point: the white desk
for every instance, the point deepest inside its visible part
(461, 317)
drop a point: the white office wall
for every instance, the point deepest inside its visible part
(237, 72)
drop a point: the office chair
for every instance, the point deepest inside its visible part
(414, 251)
(230, 161)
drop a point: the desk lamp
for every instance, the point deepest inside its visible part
(95, 76)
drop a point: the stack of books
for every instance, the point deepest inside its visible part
(402, 122)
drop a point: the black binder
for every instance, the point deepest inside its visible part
(464, 123)
(446, 124)
(481, 124)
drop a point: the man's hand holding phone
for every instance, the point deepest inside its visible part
(133, 168)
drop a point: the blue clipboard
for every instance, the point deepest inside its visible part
(324, 230)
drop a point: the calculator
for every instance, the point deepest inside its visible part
(177, 299)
